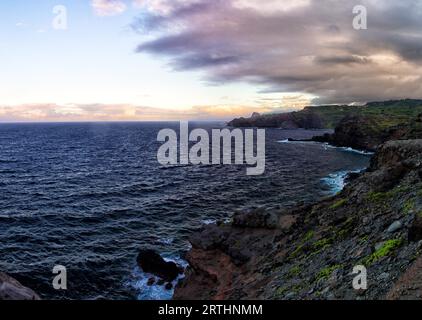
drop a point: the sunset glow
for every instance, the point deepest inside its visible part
(198, 59)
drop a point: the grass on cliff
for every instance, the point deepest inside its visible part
(386, 114)
(326, 272)
(385, 250)
(338, 204)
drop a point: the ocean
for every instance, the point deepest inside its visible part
(89, 196)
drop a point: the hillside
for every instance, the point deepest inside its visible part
(385, 114)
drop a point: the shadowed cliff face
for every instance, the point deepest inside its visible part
(358, 132)
(11, 289)
(367, 133)
(310, 252)
(306, 119)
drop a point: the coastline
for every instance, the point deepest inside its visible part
(309, 252)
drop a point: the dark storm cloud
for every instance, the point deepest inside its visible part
(301, 46)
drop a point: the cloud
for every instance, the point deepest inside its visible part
(120, 112)
(108, 7)
(304, 46)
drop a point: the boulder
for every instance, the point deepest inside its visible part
(258, 218)
(11, 289)
(395, 226)
(151, 262)
(415, 230)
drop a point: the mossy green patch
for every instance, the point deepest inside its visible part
(338, 204)
(308, 236)
(377, 196)
(326, 272)
(364, 239)
(409, 205)
(280, 292)
(383, 196)
(295, 271)
(322, 244)
(297, 251)
(386, 249)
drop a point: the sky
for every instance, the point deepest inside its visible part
(202, 59)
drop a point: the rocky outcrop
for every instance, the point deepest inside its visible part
(357, 132)
(293, 120)
(381, 115)
(310, 252)
(409, 286)
(365, 133)
(151, 262)
(11, 289)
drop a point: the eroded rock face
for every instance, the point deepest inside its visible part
(357, 132)
(256, 219)
(305, 119)
(309, 252)
(398, 152)
(415, 231)
(11, 289)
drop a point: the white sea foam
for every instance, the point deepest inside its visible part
(329, 146)
(208, 221)
(166, 240)
(348, 149)
(337, 180)
(140, 279)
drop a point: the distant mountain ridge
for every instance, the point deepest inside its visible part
(385, 113)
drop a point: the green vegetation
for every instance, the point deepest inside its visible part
(338, 204)
(322, 244)
(377, 196)
(364, 239)
(387, 248)
(384, 196)
(308, 236)
(295, 271)
(345, 229)
(408, 206)
(297, 251)
(280, 292)
(326, 272)
(385, 114)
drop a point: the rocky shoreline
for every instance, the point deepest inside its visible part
(11, 289)
(310, 252)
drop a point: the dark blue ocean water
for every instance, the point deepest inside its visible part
(88, 196)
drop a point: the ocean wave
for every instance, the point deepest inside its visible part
(337, 181)
(208, 221)
(297, 142)
(329, 146)
(349, 149)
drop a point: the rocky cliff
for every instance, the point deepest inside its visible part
(11, 289)
(310, 252)
(366, 133)
(306, 119)
(384, 115)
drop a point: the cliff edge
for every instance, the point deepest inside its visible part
(310, 252)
